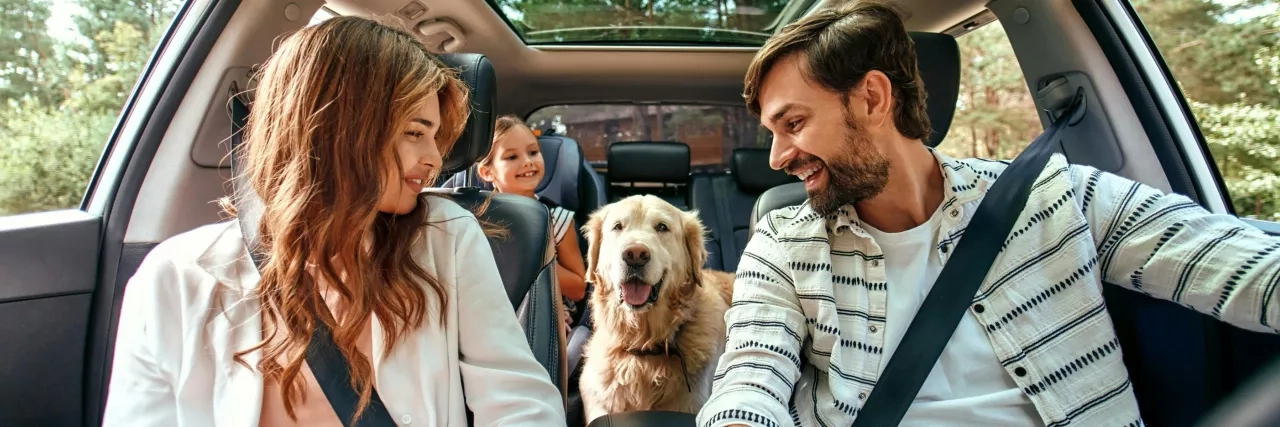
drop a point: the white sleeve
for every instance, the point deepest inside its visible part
(502, 381)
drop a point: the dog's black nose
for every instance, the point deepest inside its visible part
(635, 255)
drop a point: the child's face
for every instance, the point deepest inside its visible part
(517, 164)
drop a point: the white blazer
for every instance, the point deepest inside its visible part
(190, 308)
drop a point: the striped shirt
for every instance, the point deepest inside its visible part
(561, 222)
(805, 330)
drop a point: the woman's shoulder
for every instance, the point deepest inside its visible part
(188, 269)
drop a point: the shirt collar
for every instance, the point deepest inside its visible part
(961, 184)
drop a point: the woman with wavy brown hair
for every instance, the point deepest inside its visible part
(348, 124)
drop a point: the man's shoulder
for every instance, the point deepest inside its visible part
(791, 221)
(1058, 168)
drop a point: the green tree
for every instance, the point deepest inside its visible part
(995, 114)
(26, 54)
(61, 98)
(47, 156)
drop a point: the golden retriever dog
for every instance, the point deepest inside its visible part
(658, 315)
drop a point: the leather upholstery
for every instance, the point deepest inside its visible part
(939, 63)
(750, 168)
(724, 203)
(649, 161)
(524, 255)
(477, 72)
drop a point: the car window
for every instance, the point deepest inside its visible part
(995, 114)
(712, 131)
(1225, 57)
(69, 66)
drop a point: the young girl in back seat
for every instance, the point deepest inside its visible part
(514, 165)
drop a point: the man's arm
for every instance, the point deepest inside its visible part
(756, 375)
(1167, 246)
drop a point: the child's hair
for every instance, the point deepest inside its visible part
(501, 127)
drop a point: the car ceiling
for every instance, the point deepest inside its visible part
(531, 77)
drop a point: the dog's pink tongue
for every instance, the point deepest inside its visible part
(635, 293)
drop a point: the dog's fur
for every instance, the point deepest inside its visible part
(633, 359)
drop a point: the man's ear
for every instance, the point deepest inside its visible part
(592, 230)
(695, 244)
(873, 98)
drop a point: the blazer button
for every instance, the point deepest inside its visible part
(406, 419)
(1020, 371)
(862, 396)
(978, 308)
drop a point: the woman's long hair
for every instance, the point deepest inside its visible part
(328, 107)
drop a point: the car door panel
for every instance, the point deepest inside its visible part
(49, 263)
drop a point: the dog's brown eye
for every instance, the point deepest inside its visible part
(661, 227)
(617, 226)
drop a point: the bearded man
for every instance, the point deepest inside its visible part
(826, 290)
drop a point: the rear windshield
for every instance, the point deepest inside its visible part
(712, 131)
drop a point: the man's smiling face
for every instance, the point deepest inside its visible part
(816, 138)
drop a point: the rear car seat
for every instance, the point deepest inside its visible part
(660, 168)
(724, 203)
(569, 180)
(1174, 355)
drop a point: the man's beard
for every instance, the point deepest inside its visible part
(857, 172)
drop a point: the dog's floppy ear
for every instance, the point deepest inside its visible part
(694, 241)
(592, 230)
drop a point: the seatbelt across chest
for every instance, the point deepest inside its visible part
(954, 289)
(327, 363)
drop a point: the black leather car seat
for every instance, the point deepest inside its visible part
(525, 255)
(665, 163)
(724, 203)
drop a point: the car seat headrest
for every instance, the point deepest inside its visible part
(477, 73)
(750, 168)
(649, 161)
(939, 62)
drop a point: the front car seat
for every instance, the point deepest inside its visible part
(525, 255)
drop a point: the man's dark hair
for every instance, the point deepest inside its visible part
(840, 44)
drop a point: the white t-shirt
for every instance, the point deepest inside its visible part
(968, 386)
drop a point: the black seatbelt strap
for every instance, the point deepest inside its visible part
(954, 289)
(323, 356)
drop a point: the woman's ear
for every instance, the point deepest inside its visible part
(592, 230)
(695, 244)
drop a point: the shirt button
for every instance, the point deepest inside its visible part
(406, 419)
(978, 308)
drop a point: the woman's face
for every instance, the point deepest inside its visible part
(517, 163)
(419, 158)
